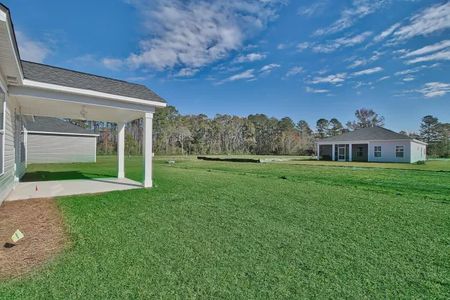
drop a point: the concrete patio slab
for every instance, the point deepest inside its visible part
(48, 189)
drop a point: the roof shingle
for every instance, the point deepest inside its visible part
(368, 134)
(59, 76)
(47, 124)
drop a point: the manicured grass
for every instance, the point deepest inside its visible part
(237, 230)
(430, 165)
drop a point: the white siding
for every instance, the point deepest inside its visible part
(388, 151)
(44, 148)
(418, 152)
(7, 179)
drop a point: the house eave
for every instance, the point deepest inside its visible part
(90, 93)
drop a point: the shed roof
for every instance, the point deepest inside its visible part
(368, 134)
(53, 125)
(69, 78)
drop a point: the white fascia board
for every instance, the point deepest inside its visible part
(71, 90)
(62, 133)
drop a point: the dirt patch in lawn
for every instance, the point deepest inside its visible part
(44, 236)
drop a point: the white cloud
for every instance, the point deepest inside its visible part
(316, 91)
(386, 33)
(432, 19)
(343, 42)
(294, 71)
(359, 9)
(409, 78)
(30, 49)
(313, 9)
(333, 79)
(384, 78)
(406, 72)
(302, 46)
(112, 63)
(186, 72)
(415, 69)
(434, 89)
(429, 49)
(194, 34)
(267, 69)
(246, 75)
(441, 55)
(250, 57)
(357, 63)
(368, 71)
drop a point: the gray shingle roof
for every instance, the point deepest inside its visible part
(47, 124)
(368, 134)
(69, 78)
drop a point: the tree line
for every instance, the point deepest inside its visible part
(174, 133)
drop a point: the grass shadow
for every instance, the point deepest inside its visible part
(66, 175)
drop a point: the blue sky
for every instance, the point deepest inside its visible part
(302, 59)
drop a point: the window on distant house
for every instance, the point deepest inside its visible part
(377, 151)
(399, 151)
(360, 151)
(2, 131)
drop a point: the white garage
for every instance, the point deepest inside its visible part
(53, 140)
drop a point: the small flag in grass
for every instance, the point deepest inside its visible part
(17, 236)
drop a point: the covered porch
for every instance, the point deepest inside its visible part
(47, 100)
(343, 151)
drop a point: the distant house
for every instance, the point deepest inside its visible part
(374, 144)
(53, 140)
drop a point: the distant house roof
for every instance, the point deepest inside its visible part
(54, 125)
(368, 134)
(59, 76)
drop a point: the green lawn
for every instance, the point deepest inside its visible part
(243, 230)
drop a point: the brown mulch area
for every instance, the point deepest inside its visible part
(41, 223)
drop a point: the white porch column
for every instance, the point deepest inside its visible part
(333, 156)
(148, 149)
(25, 145)
(350, 152)
(121, 150)
(318, 152)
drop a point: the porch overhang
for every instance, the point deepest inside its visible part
(48, 100)
(64, 102)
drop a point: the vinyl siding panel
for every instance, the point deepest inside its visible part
(418, 152)
(388, 151)
(7, 179)
(43, 148)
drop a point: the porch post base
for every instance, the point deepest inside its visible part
(148, 183)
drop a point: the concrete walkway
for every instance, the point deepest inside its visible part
(49, 189)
